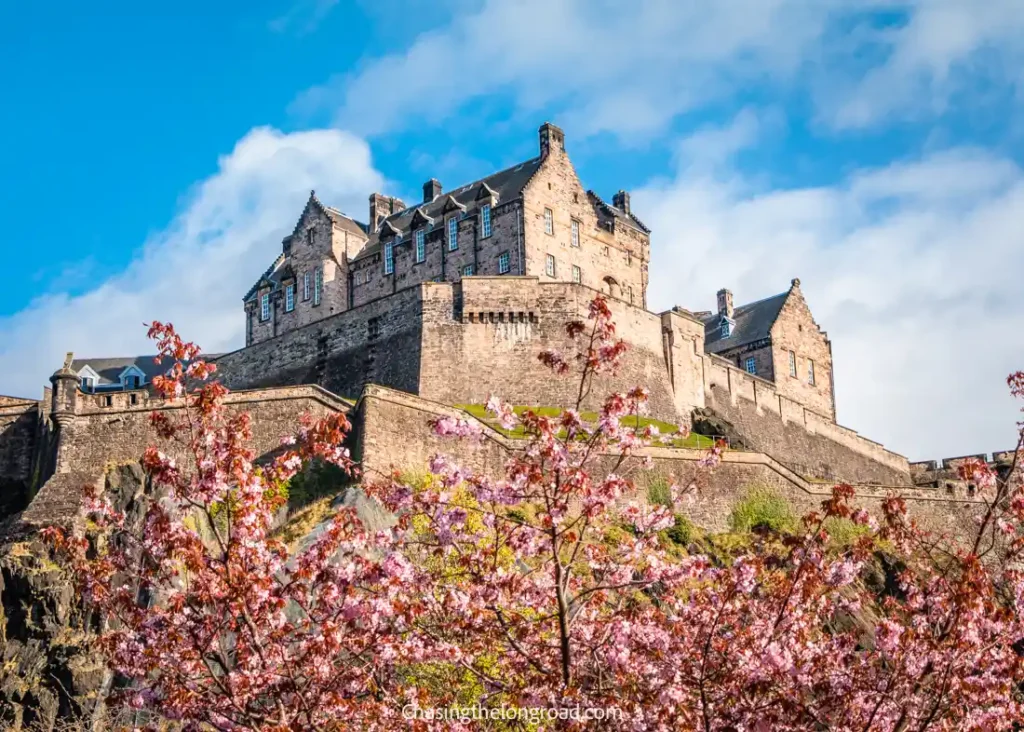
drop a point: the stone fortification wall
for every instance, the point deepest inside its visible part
(483, 337)
(97, 435)
(383, 449)
(809, 443)
(378, 342)
(19, 440)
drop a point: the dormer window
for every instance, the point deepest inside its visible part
(131, 382)
(87, 383)
(289, 298)
(726, 327)
(265, 306)
(389, 258)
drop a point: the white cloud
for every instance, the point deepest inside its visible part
(945, 49)
(913, 269)
(631, 68)
(195, 272)
(625, 67)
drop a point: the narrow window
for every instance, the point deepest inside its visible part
(726, 328)
(305, 286)
(86, 383)
(549, 221)
(318, 284)
(577, 276)
(751, 366)
(265, 306)
(289, 298)
(810, 372)
(453, 234)
(132, 382)
(421, 245)
(309, 236)
(485, 221)
(549, 266)
(504, 263)
(629, 259)
(134, 398)
(792, 363)
(109, 401)
(631, 294)
(467, 271)
(607, 252)
(575, 240)
(389, 258)
(373, 327)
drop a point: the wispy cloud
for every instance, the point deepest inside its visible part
(632, 68)
(195, 272)
(303, 17)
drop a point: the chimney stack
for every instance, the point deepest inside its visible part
(551, 139)
(621, 201)
(725, 303)
(431, 190)
(381, 207)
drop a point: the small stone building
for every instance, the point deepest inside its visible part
(777, 339)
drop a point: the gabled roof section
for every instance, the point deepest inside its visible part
(420, 218)
(450, 204)
(340, 219)
(505, 185)
(108, 371)
(618, 213)
(753, 322)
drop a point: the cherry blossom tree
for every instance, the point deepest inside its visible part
(551, 586)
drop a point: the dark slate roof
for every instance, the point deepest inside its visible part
(506, 184)
(109, 369)
(753, 323)
(273, 275)
(618, 213)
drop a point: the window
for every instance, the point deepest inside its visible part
(792, 364)
(373, 327)
(389, 258)
(467, 271)
(549, 221)
(86, 383)
(575, 238)
(726, 329)
(485, 221)
(629, 259)
(265, 306)
(630, 288)
(453, 234)
(318, 285)
(131, 382)
(751, 366)
(549, 266)
(810, 372)
(289, 298)
(305, 286)
(607, 252)
(421, 245)
(309, 235)
(134, 398)
(577, 276)
(504, 262)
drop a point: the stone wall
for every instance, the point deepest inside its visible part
(483, 338)
(384, 449)
(808, 442)
(378, 342)
(95, 436)
(19, 437)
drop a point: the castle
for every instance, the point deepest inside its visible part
(450, 300)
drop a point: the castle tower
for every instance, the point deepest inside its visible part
(64, 408)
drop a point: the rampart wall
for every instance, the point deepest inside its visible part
(808, 442)
(96, 436)
(383, 449)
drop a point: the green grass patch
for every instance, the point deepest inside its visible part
(763, 507)
(693, 441)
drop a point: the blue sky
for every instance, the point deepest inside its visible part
(153, 160)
